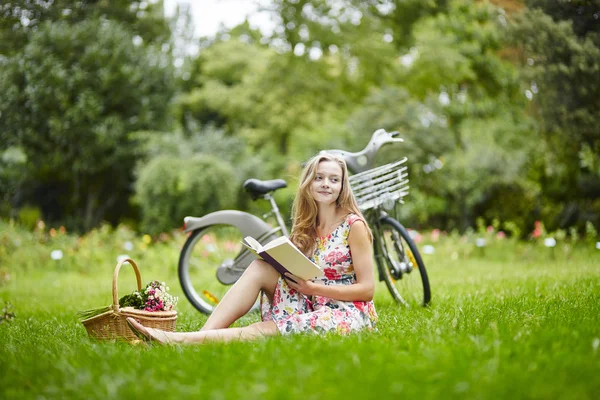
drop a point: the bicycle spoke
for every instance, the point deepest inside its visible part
(204, 252)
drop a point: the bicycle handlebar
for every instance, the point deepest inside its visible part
(365, 159)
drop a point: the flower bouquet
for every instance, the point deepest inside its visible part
(153, 306)
(154, 297)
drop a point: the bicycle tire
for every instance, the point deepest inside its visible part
(203, 252)
(398, 247)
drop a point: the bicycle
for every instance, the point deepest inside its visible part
(215, 239)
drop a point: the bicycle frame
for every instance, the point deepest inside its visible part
(374, 218)
(248, 225)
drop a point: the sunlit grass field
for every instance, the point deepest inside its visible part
(511, 320)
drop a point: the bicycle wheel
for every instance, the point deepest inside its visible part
(401, 266)
(211, 259)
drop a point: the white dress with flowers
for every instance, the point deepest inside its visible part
(294, 312)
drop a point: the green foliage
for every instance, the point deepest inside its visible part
(400, 16)
(24, 251)
(170, 188)
(223, 77)
(561, 62)
(7, 313)
(20, 19)
(208, 140)
(29, 216)
(132, 300)
(68, 103)
(461, 115)
(269, 100)
(494, 128)
(12, 174)
(583, 14)
(512, 229)
(590, 231)
(515, 202)
(563, 69)
(213, 142)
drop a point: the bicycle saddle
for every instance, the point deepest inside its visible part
(257, 187)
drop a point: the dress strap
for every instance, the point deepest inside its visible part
(350, 220)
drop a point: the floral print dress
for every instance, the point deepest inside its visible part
(294, 312)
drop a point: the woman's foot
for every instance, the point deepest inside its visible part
(148, 335)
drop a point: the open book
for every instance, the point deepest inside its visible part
(284, 256)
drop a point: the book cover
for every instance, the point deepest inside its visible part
(284, 256)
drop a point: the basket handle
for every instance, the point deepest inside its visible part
(115, 289)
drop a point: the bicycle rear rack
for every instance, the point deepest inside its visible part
(381, 185)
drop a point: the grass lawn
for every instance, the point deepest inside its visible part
(515, 322)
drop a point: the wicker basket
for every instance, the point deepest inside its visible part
(111, 324)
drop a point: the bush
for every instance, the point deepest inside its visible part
(510, 202)
(29, 216)
(169, 189)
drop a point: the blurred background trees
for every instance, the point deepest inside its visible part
(80, 79)
(104, 117)
(560, 59)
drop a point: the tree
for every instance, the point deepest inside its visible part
(460, 108)
(582, 14)
(401, 16)
(20, 19)
(68, 101)
(268, 98)
(288, 92)
(561, 65)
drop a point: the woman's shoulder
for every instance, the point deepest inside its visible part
(358, 231)
(352, 218)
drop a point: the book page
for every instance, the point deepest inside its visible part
(277, 242)
(250, 247)
(286, 255)
(292, 259)
(252, 243)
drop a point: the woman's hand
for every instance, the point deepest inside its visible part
(302, 286)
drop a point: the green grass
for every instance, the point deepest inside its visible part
(516, 321)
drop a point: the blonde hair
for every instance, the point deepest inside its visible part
(304, 208)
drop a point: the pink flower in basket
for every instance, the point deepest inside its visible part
(157, 297)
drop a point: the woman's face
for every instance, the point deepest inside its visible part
(327, 183)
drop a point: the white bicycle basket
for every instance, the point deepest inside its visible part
(382, 185)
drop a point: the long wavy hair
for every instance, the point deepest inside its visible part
(304, 208)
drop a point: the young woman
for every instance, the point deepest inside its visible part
(329, 228)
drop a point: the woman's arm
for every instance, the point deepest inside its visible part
(362, 259)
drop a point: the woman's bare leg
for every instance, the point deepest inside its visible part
(241, 297)
(237, 301)
(251, 332)
(254, 331)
